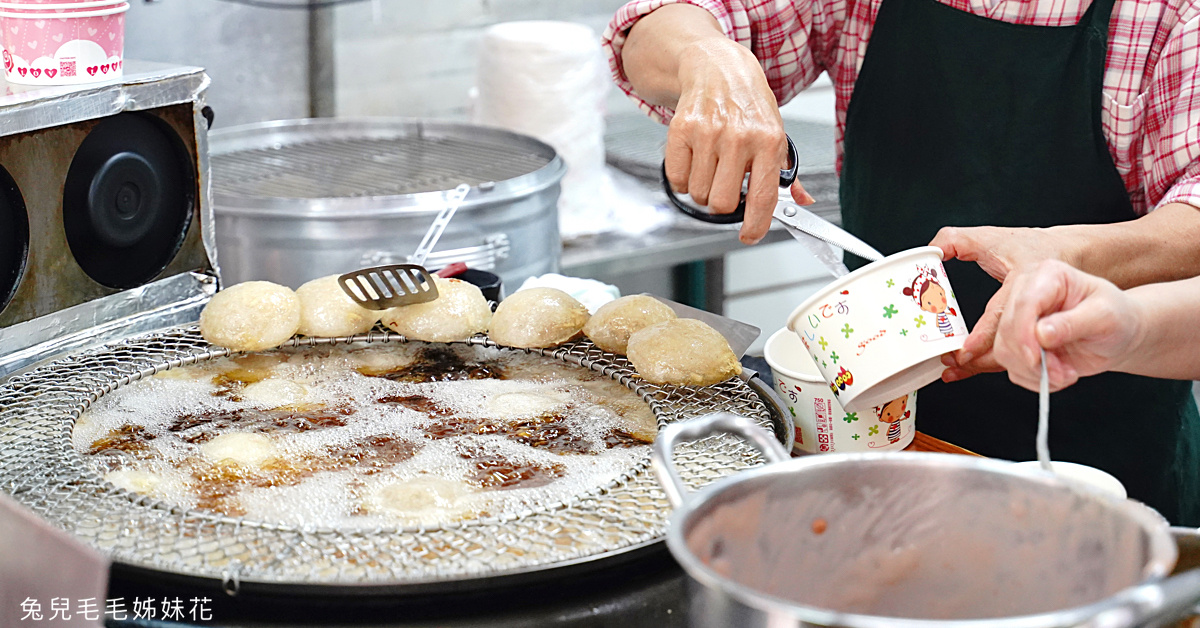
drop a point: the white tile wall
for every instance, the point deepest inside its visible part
(417, 58)
(257, 57)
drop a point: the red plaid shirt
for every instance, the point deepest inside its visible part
(1151, 102)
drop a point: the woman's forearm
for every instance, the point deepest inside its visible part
(660, 40)
(1168, 341)
(1161, 246)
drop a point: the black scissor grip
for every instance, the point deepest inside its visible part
(786, 179)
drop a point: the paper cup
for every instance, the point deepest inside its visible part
(880, 331)
(822, 425)
(63, 43)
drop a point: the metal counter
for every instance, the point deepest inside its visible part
(634, 144)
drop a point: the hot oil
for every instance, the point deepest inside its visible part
(441, 364)
(511, 430)
(128, 439)
(201, 427)
(498, 472)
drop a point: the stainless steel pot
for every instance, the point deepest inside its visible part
(912, 541)
(300, 199)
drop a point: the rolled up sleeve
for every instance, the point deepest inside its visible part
(778, 33)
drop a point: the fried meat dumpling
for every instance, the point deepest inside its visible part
(134, 481)
(683, 352)
(612, 324)
(537, 318)
(274, 392)
(326, 311)
(242, 448)
(251, 316)
(423, 500)
(459, 312)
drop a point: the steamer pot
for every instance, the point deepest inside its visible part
(300, 199)
(906, 540)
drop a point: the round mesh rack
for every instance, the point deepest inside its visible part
(328, 158)
(40, 468)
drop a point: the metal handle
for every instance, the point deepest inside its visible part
(786, 179)
(700, 427)
(457, 196)
(1150, 605)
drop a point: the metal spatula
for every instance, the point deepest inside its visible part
(394, 285)
(386, 287)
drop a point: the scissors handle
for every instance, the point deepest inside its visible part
(786, 178)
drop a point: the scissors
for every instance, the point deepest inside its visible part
(799, 222)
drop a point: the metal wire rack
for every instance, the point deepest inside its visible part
(40, 468)
(312, 166)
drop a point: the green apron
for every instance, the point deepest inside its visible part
(961, 120)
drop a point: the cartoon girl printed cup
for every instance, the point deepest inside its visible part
(892, 413)
(822, 424)
(931, 297)
(869, 342)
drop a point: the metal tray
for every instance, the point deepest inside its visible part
(40, 468)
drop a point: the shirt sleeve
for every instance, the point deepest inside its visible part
(790, 39)
(1171, 147)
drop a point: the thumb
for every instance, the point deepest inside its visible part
(1071, 326)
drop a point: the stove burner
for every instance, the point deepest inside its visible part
(14, 237)
(128, 200)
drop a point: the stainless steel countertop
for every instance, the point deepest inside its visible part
(634, 145)
(683, 240)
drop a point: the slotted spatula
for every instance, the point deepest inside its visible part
(386, 287)
(394, 285)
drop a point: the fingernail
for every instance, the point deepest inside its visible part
(948, 360)
(1049, 330)
(966, 357)
(949, 376)
(808, 199)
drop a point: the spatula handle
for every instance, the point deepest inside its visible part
(457, 196)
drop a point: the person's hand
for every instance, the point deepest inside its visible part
(1005, 253)
(726, 124)
(1085, 324)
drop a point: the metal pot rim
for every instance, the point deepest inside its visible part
(263, 134)
(1162, 550)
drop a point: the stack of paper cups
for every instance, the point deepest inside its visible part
(549, 80)
(63, 42)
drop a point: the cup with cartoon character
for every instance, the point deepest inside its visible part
(879, 332)
(822, 425)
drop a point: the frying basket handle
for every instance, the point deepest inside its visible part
(716, 423)
(786, 179)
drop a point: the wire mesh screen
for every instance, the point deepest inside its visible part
(41, 469)
(316, 167)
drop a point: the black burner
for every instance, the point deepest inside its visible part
(14, 237)
(128, 200)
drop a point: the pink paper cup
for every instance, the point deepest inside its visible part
(63, 43)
